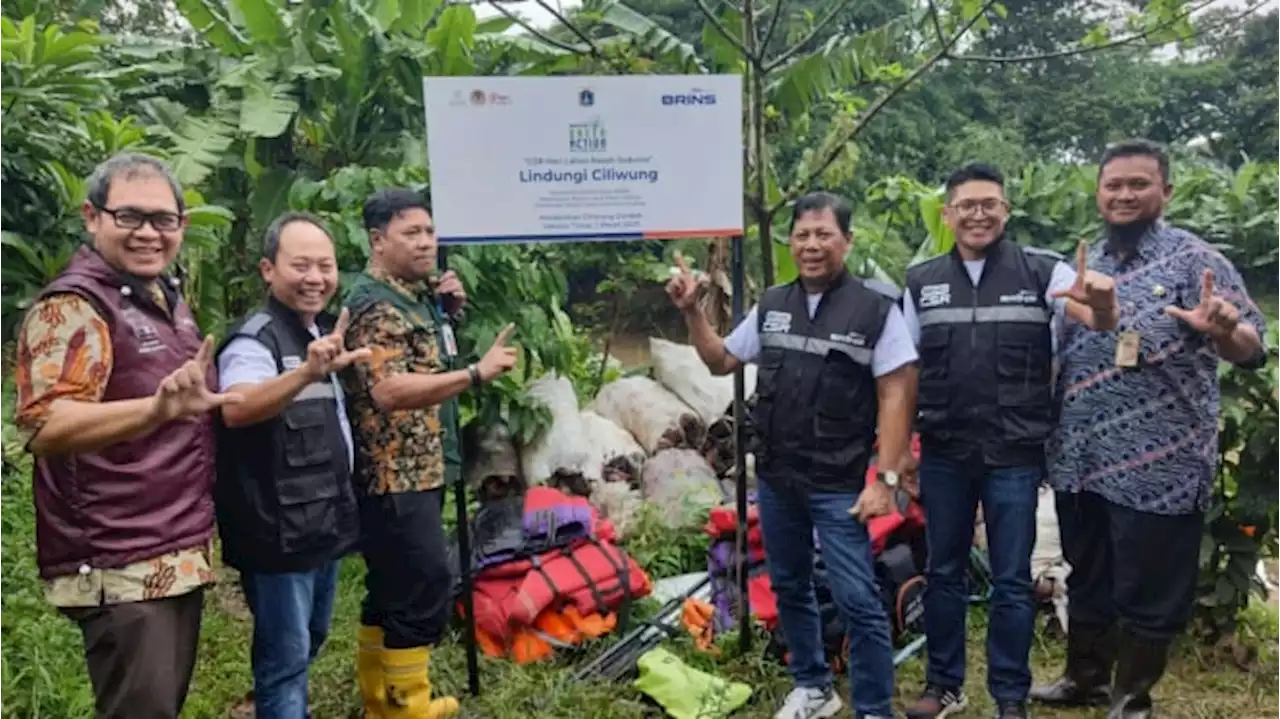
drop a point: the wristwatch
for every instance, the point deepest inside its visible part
(890, 478)
(474, 372)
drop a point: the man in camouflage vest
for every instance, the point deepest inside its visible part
(404, 412)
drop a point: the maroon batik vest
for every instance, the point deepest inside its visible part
(138, 499)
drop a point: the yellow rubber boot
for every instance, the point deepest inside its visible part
(408, 681)
(373, 690)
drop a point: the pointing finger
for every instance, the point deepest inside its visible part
(340, 327)
(1082, 259)
(501, 339)
(680, 262)
(205, 354)
(1206, 286)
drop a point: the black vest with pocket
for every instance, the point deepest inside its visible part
(284, 498)
(814, 419)
(986, 355)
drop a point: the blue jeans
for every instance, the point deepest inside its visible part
(788, 517)
(291, 614)
(950, 492)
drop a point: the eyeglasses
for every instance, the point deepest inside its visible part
(130, 219)
(989, 206)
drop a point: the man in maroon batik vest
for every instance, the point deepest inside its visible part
(114, 400)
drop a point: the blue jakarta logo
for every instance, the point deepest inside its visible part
(586, 98)
(587, 137)
(695, 96)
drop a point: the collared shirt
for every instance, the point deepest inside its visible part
(64, 352)
(245, 360)
(1146, 437)
(400, 451)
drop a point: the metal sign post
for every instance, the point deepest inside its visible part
(464, 542)
(737, 261)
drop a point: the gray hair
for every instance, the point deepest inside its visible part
(271, 241)
(128, 165)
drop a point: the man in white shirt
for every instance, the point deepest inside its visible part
(986, 317)
(837, 372)
(285, 504)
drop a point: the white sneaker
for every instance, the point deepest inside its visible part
(810, 703)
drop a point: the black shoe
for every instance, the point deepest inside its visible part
(1140, 663)
(1091, 653)
(1012, 710)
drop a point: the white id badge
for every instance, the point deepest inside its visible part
(450, 342)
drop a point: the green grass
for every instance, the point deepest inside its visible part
(44, 677)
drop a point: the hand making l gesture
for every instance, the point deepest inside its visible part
(1092, 289)
(329, 354)
(500, 358)
(686, 287)
(185, 392)
(1214, 315)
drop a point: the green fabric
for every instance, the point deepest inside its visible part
(367, 291)
(685, 692)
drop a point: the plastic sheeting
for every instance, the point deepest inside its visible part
(678, 368)
(651, 413)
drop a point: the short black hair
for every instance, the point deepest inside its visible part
(819, 201)
(271, 241)
(126, 166)
(1137, 147)
(385, 205)
(974, 171)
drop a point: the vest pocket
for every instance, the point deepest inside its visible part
(306, 438)
(934, 390)
(308, 513)
(835, 406)
(1022, 375)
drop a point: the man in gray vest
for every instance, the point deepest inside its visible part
(286, 509)
(984, 317)
(837, 367)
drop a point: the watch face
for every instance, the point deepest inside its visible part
(889, 478)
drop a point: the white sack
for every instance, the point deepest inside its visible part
(645, 409)
(1047, 551)
(563, 445)
(678, 368)
(682, 485)
(617, 503)
(607, 441)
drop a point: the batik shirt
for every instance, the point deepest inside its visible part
(1146, 437)
(64, 352)
(402, 450)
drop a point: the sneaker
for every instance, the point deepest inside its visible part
(937, 702)
(810, 703)
(1012, 710)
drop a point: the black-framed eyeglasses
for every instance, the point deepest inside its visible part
(128, 218)
(989, 206)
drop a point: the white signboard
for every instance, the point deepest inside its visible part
(553, 159)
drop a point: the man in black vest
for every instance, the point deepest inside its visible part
(286, 508)
(984, 317)
(837, 366)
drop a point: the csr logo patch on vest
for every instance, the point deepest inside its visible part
(814, 419)
(986, 354)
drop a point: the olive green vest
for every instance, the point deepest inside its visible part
(367, 291)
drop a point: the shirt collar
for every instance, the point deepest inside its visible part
(417, 290)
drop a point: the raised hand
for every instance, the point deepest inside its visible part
(685, 287)
(500, 358)
(185, 392)
(1214, 316)
(451, 291)
(329, 354)
(1092, 289)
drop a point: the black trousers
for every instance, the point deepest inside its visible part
(408, 585)
(140, 655)
(1134, 568)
